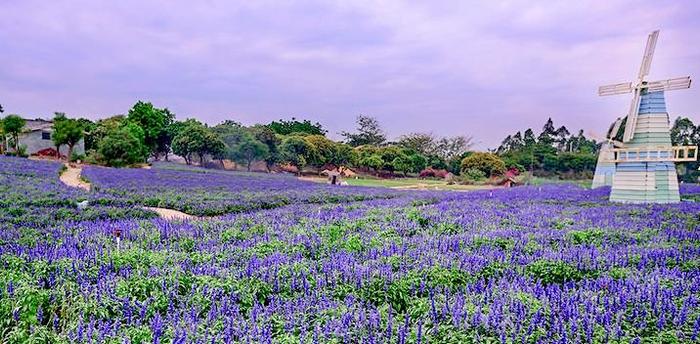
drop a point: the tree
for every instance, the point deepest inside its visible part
(488, 163)
(684, 132)
(1, 109)
(154, 123)
(195, 138)
(373, 161)
(548, 132)
(343, 154)
(267, 136)
(13, 125)
(324, 148)
(369, 132)
(66, 131)
(529, 138)
(423, 143)
(388, 154)
(296, 151)
(88, 133)
(249, 149)
(449, 148)
(561, 136)
(122, 146)
(294, 126)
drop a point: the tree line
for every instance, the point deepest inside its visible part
(148, 132)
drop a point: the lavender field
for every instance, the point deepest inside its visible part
(292, 262)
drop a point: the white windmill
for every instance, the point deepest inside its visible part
(644, 160)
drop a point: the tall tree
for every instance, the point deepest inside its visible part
(561, 137)
(450, 148)
(423, 143)
(369, 132)
(66, 131)
(13, 125)
(248, 150)
(548, 132)
(267, 136)
(529, 138)
(195, 138)
(297, 151)
(154, 123)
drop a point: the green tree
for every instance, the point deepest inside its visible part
(196, 139)
(13, 125)
(369, 132)
(373, 161)
(267, 136)
(122, 146)
(297, 151)
(548, 134)
(488, 163)
(423, 143)
(325, 150)
(283, 127)
(249, 149)
(154, 123)
(66, 131)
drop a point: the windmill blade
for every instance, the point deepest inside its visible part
(648, 54)
(611, 90)
(669, 85)
(617, 144)
(615, 128)
(632, 117)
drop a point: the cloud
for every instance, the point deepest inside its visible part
(484, 69)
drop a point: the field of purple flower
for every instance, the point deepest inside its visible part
(211, 192)
(550, 264)
(32, 196)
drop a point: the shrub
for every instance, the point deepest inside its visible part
(488, 163)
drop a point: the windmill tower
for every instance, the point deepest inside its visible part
(645, 160)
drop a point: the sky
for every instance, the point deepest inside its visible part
(477, 68)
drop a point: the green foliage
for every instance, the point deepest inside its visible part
(591, 236)
(552, 272)
(296, 151)
(13, 125)
(249, 149)
(66, 131)
(488, 163)
(196, 139)
(474, 174)
(283, 127)
(123, 146)
(154, 122)
(369, 132)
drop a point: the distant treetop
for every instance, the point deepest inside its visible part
(284, 127)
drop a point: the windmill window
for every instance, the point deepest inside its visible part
(45, 135)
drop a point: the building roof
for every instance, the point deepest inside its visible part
(38, 124)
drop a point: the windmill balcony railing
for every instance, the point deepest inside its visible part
(655, 154)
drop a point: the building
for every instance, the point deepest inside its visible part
(37, 137)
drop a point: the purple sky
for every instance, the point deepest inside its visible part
(484, 69)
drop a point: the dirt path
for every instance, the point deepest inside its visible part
(71, 177)
(170, 214)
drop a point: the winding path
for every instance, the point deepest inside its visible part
(71, 177)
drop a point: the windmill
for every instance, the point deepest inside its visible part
(605, 167)
(645, 159)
